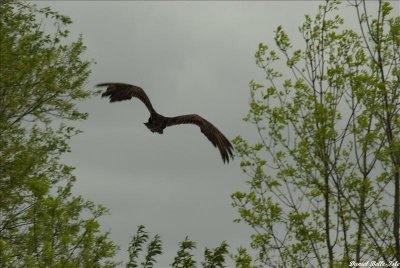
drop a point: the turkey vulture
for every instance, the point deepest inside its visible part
(157, 122)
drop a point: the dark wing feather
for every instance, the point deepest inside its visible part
(209, 130)
(121, 91)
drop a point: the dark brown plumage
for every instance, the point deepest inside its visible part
(157, 123)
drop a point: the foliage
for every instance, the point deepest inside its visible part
(184, 259)
(215, 257)
(243, 259)
(41, 79)
(154, 248)
(324, 185)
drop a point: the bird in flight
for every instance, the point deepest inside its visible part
(157, 122)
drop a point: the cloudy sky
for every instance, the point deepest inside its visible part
(190, 57)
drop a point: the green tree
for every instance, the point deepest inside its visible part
(243, 259)
(41, 79)
(138, 241)
(324, 185)
(215, 257)
(184, 259)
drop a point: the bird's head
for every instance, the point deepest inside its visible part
(148, 123)
(153, 128)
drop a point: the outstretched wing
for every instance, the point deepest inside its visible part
(121, 91)
(212, 133)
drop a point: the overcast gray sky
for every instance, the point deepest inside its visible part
(190, 57)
